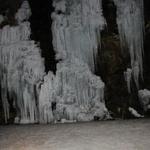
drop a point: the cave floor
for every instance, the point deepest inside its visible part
(103, 135)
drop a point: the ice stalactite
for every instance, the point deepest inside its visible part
(130, 20)
(76, 29)
(128, 77)
(21, 69)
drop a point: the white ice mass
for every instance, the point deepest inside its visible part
(74, 93)
(21, 69)
(130, 20)
(78, 94)
(144, 97)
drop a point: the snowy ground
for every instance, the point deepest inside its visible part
(105, 135)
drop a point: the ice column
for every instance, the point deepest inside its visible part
(79, 94)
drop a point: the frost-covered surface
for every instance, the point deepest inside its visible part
(21, 69)
(130, 20)
(144, 97)
(110, 135)
(76, 29)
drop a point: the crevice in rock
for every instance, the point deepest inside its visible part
(112, 65)
(41, 30)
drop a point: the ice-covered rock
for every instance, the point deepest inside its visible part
(144, 97)
(130, 20)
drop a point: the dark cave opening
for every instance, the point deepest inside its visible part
(112, 64)
(41, 30)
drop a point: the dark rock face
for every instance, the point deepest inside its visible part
(9, 8)
(41, 30)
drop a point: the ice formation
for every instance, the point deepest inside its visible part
(21, 68)
(128, 77)
(144, 97)
(130, 20)
(77, 93)
(76, 29)
(24, 12)
(74, 93)
(135, 113)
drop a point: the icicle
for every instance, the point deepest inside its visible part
(130, 20)
(128, 77)
(21, 69)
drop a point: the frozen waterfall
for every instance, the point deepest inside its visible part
(130, 20)
(21, 68)
(78, 94)
(76, 29)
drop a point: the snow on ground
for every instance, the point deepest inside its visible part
(104, 135)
